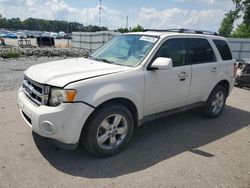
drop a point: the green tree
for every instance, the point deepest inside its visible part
(137, 28)
(246, 8)
(14, 23)
(46, 25)
(227, 24)
(243, 30)
(242, 7)
(122, 30)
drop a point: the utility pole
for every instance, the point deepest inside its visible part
(127, 23)
(100, 13)
(68, 33)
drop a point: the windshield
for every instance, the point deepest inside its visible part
(126, 50)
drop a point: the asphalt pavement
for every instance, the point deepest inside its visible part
(182, 150)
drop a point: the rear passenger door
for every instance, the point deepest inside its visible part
(205, 68)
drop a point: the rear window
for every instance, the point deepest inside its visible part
(224, 49)
(200, 51)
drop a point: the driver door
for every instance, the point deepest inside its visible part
(168, 89)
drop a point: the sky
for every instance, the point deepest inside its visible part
(157, 14)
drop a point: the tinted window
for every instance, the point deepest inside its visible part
(200, 51)
(174, 49)
(224, 50)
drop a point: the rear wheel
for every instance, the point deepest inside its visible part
(215, 103)
(108, 131)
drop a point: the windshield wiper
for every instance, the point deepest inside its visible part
(104, 60)
(90, 57)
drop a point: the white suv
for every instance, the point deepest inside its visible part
(133, 78)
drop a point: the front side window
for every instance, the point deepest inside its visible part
(126, 50)
(223, 49)
(200, 51)
(174, 49)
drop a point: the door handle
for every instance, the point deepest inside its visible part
(214, 69)
(183, 74)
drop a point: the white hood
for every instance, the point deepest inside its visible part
(59, 73)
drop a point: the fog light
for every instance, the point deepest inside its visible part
(48, 127)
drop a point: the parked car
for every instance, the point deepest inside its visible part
(68, 36)
(243, 75)
(133, 78)
(2, 35)
(55, 35)
(11, 35)
(22, 36)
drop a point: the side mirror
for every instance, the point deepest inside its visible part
(161, 63)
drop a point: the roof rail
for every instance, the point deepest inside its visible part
(182, 30)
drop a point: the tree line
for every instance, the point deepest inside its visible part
(241, 10)
(34, 24)
(138, 28)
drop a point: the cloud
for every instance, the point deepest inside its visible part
(58, 9)
(224, 4)
(30, 2)
(200, 1)
(208, 19)
(179, 18)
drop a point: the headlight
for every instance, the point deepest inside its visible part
(58, 96)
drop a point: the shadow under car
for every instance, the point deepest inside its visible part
(152, 143)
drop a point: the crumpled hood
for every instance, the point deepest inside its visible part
(59, 73)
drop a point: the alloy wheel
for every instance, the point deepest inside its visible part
(112, 131)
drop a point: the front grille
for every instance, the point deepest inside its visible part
(37, 92)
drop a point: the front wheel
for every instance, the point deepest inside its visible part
(215, 103)
(108, 131)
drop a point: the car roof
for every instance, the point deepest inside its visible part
(164, 34)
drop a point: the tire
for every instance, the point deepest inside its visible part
(215, 103)
(108, 130)
(240, 84)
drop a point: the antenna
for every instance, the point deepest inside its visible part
(100, 13)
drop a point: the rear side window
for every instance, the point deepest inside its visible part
(224, 49)
(200, 51)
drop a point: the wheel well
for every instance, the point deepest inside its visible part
(125, 102)
(225, 84)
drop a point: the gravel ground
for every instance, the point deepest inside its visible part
(43, 52)
(11, 70)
